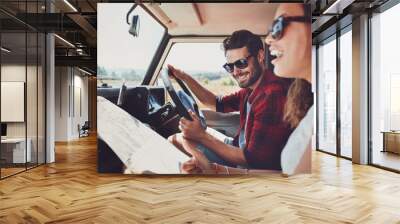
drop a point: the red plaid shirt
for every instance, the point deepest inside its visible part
(266, 132)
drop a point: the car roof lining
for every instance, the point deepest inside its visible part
(220, 19)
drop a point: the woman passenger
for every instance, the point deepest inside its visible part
(289, 42)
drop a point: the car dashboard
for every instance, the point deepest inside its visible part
(147, 104)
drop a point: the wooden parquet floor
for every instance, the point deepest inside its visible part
(71, 191)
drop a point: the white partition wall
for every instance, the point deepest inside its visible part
(14, 145)
(22, 78)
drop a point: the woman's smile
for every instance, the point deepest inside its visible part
(277, 54)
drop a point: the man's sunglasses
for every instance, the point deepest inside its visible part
(240, 64)
(276, 31)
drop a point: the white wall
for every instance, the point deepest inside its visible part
(314, 90)
(360, 90)
(50, 94)
(71, 102)
(61, 103)
(33, 126)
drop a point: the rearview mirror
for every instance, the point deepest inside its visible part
(135, 25)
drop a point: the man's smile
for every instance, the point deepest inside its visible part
(242, 77)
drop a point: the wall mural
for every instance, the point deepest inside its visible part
(222, 88)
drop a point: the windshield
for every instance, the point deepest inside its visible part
(121, 56)
(202, 61)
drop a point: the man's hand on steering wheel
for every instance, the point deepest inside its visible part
(177, 73)
(183, 99)
(192, 130)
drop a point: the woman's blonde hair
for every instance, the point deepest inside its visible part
(299, 100)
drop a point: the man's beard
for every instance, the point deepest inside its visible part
(253, 77)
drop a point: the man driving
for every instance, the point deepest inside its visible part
(263, 133)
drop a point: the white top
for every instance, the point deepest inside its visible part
(297, 144)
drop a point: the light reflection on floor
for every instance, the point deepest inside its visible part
(386, 159)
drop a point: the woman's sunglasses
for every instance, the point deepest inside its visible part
(240, 64)
(276, 31)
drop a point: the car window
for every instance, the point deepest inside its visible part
(203, 61)
(121, 56)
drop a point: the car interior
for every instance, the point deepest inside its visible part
(161, 106)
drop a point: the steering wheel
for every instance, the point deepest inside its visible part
(183, 100)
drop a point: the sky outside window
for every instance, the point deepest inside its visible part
(198, 57)
(117, 48)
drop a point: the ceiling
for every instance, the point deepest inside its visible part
(78, 24)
